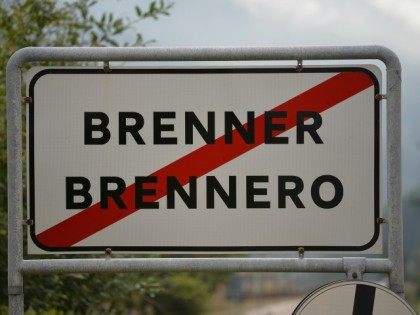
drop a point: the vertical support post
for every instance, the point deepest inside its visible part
(14, 187)
(395, 239)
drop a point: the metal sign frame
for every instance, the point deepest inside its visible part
(354, 267)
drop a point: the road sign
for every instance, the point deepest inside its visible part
(204, 159)
(353, 297)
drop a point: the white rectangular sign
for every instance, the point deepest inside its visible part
(204, 159)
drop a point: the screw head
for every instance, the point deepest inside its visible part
(380, 220)
(380, 97)
(29, 221)
(301, 251)
(106, 67)
(27, 99)
(299, 66)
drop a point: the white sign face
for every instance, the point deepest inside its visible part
(353, 297)
(204, 159)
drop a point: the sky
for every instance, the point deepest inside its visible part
(391, 23)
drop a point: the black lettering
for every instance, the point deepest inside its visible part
(101, 127)
(251, 191)
(213, 185)
(311, 129)
(247, 134)
(191, 121)
(71, 192)
(293, 193)
(133, 129)
(115, 194)
(172, 185)
(159, 127)
(270, 126)
(338, 194)
(141, 191)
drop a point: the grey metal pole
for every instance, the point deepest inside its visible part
(395, 238)
(206, 264)
(29, 54)
(14, 186)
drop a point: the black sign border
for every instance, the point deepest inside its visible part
(326, 69)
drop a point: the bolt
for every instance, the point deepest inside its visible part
(354, 275)
(29, 221)
(299, 66)
(301, 252)
(380, 97)
(27, 99)
(380, 220)
(106, 66)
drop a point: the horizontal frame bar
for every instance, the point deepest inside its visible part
(199, 264)
(31, 54)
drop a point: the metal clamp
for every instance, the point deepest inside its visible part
(380, 97)
(354, 267)
(299, 66)
(301, 252)
(106, 67)
(108, 252)
(15, 290)
(28, 221)
(26, 100)
(381, 220)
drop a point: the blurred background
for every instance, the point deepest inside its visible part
(392, 23)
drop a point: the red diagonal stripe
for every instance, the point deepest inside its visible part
(205, 159)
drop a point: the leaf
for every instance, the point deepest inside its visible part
(152, 7)
(103, 19)
(111, 41)
(138, 11)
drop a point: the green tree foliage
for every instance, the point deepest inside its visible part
(71, 23)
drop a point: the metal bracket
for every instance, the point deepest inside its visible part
(354, 267)
(108, 253)
(26, 100)
(15, 290)
(299, 66)
(301, 252)
(381, 220)
(380, 97)
(28, 221)
(106, 67)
